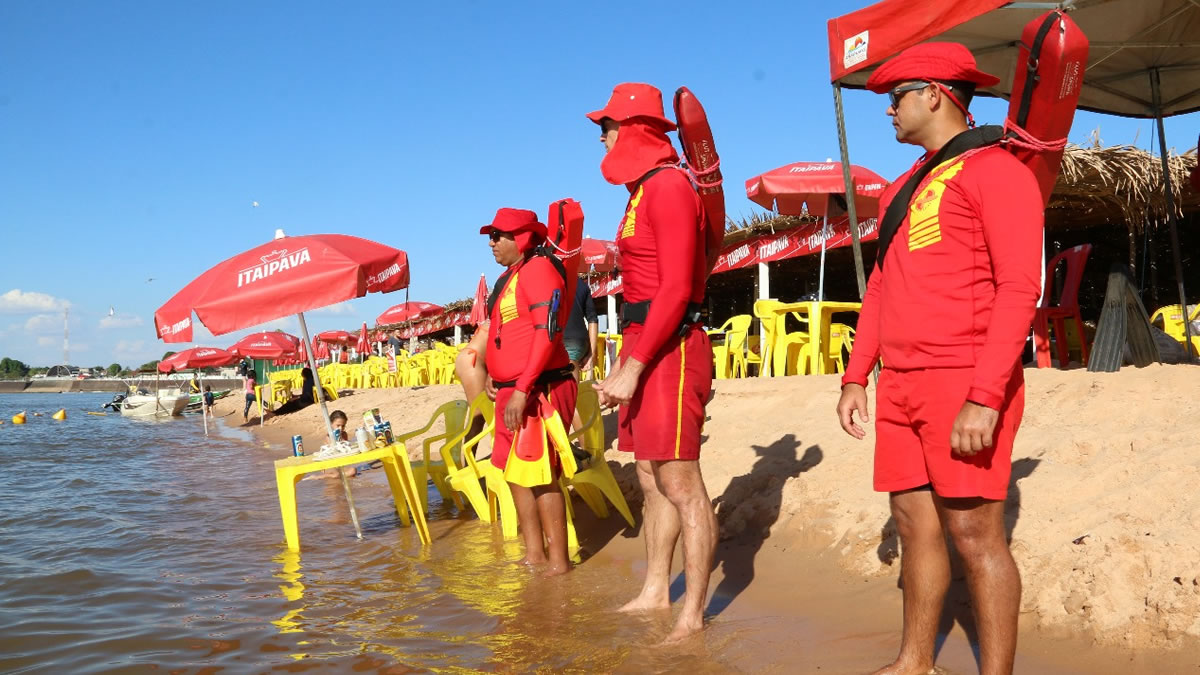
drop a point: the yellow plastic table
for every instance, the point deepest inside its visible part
(819, 315)
(288, 472)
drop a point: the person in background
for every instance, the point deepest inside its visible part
(579, 337)
(248, 387)
(209, 399)
(307, 394)
(194, 383)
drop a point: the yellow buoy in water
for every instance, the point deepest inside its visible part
(60, 415)
(19, 418)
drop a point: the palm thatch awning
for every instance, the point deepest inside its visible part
(1115, 185)
(1119, 184)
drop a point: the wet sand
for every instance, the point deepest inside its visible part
(807, 561)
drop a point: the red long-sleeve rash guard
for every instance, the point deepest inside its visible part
(525, 349)
(962, 276)
(662, 255)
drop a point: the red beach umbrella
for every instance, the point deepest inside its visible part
(479, 307)
(196, 357)
(789, 189)
(336, 337)
(320, 350)
(364, 342)
(289, 275)
(598, 254)
(408, 311)
(271, 345)
(815, 187)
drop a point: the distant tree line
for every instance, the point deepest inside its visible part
(14, 369)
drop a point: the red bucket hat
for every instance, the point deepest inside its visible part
(523, 225)
(942, 61)
(633, 99)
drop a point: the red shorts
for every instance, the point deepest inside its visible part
(664, 419)
(915, 412)
(562, 396)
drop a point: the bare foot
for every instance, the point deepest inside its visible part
(556, 569)
(647, 603)
(683, 630)
(526, 562)
(899, 667)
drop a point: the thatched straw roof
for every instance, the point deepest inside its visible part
(1117, 185)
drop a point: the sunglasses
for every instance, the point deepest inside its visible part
(898, 93)
(497, 235)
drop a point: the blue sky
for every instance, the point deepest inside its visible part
(135, 137)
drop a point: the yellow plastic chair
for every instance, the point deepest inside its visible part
(596, 482)
(765, 312)
(730, 356)
(465, 477)
(1170, 319)
(840, 335)
(753, 354)
(290, 470)
(452, 415)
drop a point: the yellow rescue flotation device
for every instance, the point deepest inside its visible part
(528, 461)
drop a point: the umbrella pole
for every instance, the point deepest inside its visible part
(203, 410)
(851, 211)
(1174, 230)
(319, 391)
(824, 236)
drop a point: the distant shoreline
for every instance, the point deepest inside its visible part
(65, 385)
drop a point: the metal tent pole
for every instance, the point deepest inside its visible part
(851, 211)
(1174, 231)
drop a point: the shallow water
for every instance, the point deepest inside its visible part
(136, 546)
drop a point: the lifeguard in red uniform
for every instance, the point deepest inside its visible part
(663, 377)
(527, 367)
(948, 308)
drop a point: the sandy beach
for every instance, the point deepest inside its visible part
(1102, 509)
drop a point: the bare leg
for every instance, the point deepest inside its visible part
(925, 575)
(553, 513)
(681, 483)
(977, 528)
(531, 525)
(660, 527)
(470, 367)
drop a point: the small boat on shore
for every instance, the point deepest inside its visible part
(140, 402)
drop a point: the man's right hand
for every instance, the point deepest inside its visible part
(489, 388)
(854, 397)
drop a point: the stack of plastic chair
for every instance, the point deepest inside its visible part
(464, 477)
(840, 335)
(764, 311)
(1170, 319)
(730, 356)
(792, 349)
(1067, 308)
(453, 415)
(595, 482)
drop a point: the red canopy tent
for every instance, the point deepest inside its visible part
(598, 254)
(270, 345)
(336, 337)
(1144, 60)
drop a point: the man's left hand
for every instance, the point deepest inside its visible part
(515, 410)
(618, 389)
(973, 429)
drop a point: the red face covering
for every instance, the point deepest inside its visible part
(527, 241)
(641, 146)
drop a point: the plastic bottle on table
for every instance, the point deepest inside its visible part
(361, 438)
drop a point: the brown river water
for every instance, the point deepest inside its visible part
(133, 546)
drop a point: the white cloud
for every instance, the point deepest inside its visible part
(121, 321)
(17, 301)
(43, 323)
(46, 341)
(340, 309)
(130, 350)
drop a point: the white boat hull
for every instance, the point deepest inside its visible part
(149, 405)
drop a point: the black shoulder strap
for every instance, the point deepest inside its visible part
(1032, 77)
(967, 140)
(496, 289)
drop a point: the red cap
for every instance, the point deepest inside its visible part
(942, 61)
(633, 99)
(515, 220)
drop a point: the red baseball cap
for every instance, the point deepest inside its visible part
(515, 220)
(633, 99)
(941, 61)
